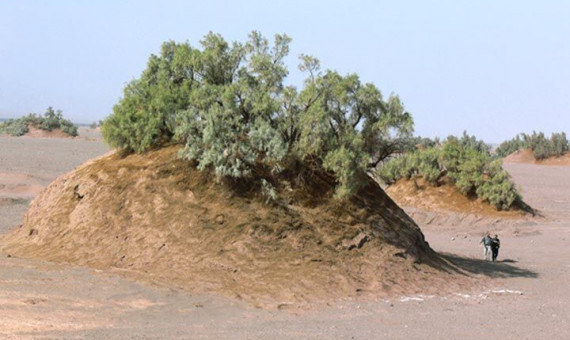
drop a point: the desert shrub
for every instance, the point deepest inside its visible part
(559, 143)
(508, 147)
(392, 170)
(14, 127)
(542, 147)
(471, 171)
(428, 165)
(423, 163)
(465, 161)
(497, 188)
(143, 117)
(451, 154)
(49, 121)
(468, 142)
(228, 105)
(69, 128)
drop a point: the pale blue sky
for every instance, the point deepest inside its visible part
(493, 68)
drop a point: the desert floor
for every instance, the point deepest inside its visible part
(523, 296)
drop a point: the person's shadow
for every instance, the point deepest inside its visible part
(498, 269)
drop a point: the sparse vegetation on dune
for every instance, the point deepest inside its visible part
(50, 121)
(228, 105)
(465, 162)
(541, 146)
(225, 178)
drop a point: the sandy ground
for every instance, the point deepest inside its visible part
(527, 297)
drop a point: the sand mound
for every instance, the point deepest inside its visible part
(527, 157)
(445, 205)
(162, 221)
(39, 133)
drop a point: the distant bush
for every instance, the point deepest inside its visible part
(542, 147)
(465, 161)
(508, 147)
(95, 125)
(14, 127)
(49, 121)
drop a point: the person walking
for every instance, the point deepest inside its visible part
(495, 245)
(486, 240)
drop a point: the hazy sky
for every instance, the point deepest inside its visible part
(493, 68)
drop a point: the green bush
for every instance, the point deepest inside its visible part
(542, 147)
(470, 173)
(559, 142)
(14, 127)
(49, 121)
(392, 170)
(228, 105)
(508, 147)
(498, 189)
(69, 128)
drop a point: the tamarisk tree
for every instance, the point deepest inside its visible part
(229, 105)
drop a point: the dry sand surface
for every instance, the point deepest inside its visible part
(523, 296)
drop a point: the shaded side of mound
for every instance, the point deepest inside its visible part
(446, 203)
(526, 156)
(164, 221)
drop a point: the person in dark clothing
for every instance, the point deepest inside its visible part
(495, 245)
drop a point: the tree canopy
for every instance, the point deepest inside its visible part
(230, 107)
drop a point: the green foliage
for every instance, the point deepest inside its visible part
(228, 105)
(336, 106)
(14, 127)
(471, 171)
(422, 143)
(423, 163)
(393, 170)
(542, 147)
(144, 117)
(49, 121)
(508, 147)
(268, 191)
(466, 161)
(497, 188)
(428, 165)
(560, 145)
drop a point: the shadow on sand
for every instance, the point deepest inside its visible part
(499, 269)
